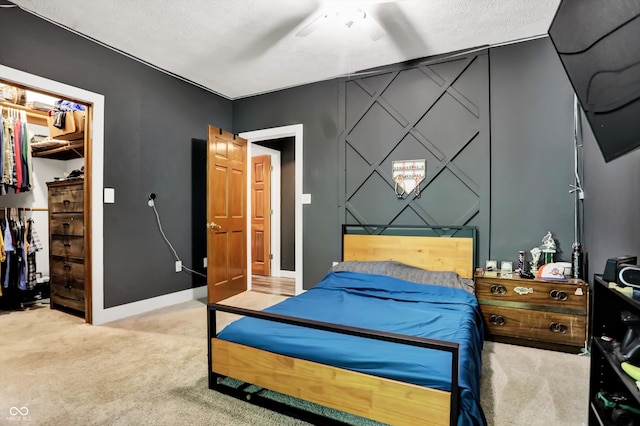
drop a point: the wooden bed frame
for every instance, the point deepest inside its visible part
(372, 397)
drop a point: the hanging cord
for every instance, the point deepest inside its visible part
(175, 254)
(577, 187)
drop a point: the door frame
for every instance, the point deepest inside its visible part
(295, 130)
(275, 218)
(94, 169)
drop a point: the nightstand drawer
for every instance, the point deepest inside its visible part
(560, 295)
(544, 326)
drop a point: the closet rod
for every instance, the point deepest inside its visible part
(33, 209)
(36, 116)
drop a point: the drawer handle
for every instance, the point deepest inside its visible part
(66, 202)
(66, 224)
(558, 295)
(496, 319)
(558, 327)
(498, 289)
(67, 265)
(67, 244)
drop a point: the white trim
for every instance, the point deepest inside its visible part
(274, 246)
(142, 306)
(295, 130)
(97, 172)
(288, 274)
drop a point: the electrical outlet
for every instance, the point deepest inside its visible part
(204, 262)
(178, 266)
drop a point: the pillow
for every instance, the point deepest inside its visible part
(392, 268)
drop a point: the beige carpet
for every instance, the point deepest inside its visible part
(152, 369)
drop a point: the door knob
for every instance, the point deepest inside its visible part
(213, 225)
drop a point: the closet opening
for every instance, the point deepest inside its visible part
(44, 202)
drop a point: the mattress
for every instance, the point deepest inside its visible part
(380, 303)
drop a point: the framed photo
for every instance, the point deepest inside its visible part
(506, 267)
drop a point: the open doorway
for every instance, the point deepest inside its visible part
(78, 276)
(273, 216)
(272, 138)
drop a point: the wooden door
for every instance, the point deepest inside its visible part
(226, 214)
(261, 215)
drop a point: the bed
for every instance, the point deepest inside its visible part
(392, 333)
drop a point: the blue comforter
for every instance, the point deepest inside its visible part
(386, 304)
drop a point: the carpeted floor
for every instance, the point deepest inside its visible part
(152, 369)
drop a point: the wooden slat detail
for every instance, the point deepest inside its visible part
(376, 398)
(433, 253)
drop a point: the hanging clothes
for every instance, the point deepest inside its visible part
(21, 242)
(33, 245)
(15, 152)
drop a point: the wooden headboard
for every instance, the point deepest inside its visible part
(451, 249)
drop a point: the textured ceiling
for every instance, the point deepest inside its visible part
(238, 48)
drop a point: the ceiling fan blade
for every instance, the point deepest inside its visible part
(394, 21)
(313, 25)
(373, 28)
(272, 36)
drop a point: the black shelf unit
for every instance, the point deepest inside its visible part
(606, 373)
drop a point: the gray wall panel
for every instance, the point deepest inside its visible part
(314, 106)
(611, 205)
(439, 113)
(531, 149)
(150, 121)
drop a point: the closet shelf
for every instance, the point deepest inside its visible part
(34, 116)
(66, 150)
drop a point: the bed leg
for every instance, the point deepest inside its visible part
(211, 332)
(455, 390)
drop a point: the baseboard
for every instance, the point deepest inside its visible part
(147, 305)
(288, 274)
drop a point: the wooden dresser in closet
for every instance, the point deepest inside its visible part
(66, 244)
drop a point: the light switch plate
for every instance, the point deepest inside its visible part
(306, 198)
(109, 195)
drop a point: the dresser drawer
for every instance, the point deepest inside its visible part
(65, 200)
(67, 246)
(529, 324)
(69, 297)
(66, 268)
(67, 224)
(67, 281)
(570, 297)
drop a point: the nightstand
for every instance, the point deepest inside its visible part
(544, 314)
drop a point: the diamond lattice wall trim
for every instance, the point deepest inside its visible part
(438, 112)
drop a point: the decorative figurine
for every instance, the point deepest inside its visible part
(535, 258)
(548, 243)
(548, 247)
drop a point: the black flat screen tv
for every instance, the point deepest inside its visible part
(598, 42)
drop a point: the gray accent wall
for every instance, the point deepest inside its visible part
(506, 171)
(150, 121)
(531, 150)
(437, 112)
(611, 205)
